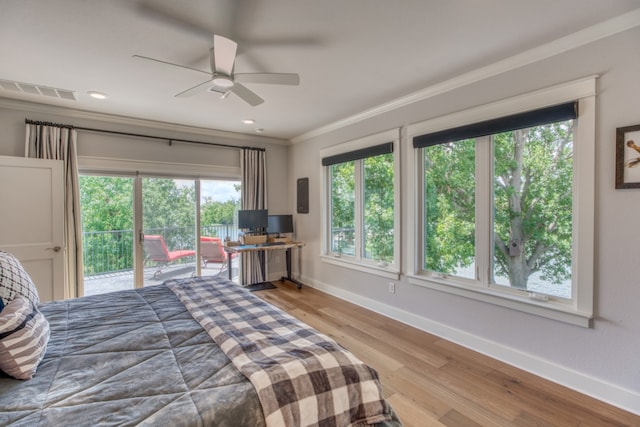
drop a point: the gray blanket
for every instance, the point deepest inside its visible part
(129, 358)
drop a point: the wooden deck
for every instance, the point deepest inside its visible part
(432, 382)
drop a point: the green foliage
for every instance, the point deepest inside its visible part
(167, 204)
(378, 207)
(168, 209)
(533, 176)
(218, 212)
(107, 223)
(449, 206)
(107, 203)
(343, 207)
(533, 202)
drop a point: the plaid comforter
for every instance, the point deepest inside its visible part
(303, 378)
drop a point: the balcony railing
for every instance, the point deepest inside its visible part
(112, 251)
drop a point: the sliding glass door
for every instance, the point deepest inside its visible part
(107, 233)
(141, 231)
(219, 204)
(169, 228)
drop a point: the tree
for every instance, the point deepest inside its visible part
(533, 175)
(343, 207)
(214, 212)
(168, 209)
(107, 203)
(379, 207)
(449, 206)
(533, 203)
(167, 204)
(107, 223)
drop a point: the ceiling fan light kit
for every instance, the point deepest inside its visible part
(222, 81)
(222, 77)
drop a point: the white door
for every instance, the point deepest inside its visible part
(31, 220)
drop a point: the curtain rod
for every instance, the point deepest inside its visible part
(138, 135)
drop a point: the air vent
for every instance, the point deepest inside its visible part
(37, 90)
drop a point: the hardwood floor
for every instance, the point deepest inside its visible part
(432, 382)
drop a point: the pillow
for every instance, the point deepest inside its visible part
(24, 334)
(14, 280)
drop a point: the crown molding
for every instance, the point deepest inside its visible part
(580, 38)
(71, 113)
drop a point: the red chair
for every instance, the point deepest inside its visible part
(156, 251)
(211, 250)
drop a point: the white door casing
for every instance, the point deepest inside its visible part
(31, 220)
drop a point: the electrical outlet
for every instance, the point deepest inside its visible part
(392, 287)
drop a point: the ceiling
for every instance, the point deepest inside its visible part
(351, 55)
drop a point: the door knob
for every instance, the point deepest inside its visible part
(54, 249)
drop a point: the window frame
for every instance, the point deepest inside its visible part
(389, 270)
(579, 309)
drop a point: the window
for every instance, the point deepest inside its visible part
(503, 200)
(361, 193)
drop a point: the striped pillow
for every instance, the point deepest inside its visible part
(24, 334)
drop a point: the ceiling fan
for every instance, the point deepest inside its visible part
(224, 80)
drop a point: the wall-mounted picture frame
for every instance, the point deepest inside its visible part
(628, 157)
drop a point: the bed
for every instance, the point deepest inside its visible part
(189, 352)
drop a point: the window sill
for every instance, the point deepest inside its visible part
(548, 309)
(389, 271)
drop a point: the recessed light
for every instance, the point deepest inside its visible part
(248, 121)
(97, 95)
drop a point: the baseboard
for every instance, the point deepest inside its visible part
(612, 394)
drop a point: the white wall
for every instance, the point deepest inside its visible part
(601, 361)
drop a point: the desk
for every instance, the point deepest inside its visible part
(262, 248)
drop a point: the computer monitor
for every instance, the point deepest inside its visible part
(254, 220)
(279, 224)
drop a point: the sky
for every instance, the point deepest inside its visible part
(217, 190)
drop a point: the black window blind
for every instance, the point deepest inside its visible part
(362, 153)
(527, 119)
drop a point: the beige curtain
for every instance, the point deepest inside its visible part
(58, 142)
(254, 196)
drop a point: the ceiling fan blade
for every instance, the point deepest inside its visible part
(291, 79)
(224, 53)
(146, 58)
(247, 95)
(201, 87)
